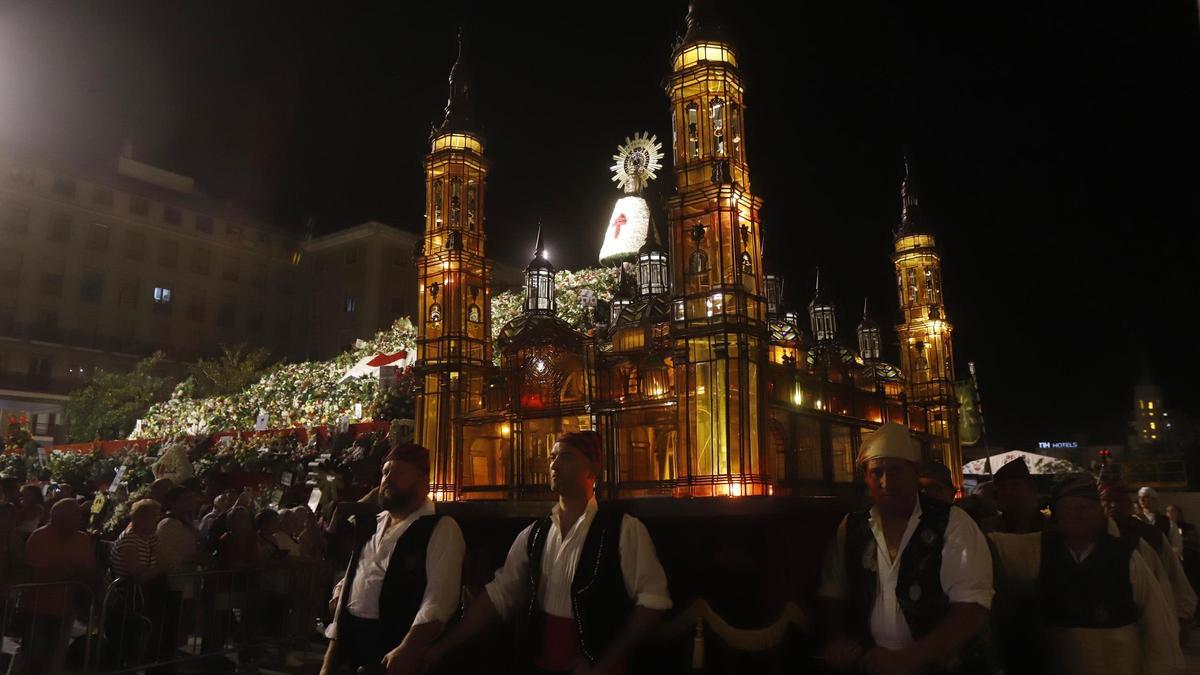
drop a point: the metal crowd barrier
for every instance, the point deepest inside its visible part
(205, 617)
(46, 628)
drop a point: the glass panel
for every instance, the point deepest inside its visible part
(455, 202)
(485, 454)
(437, 203)
(647, 446)
(809, 464)
(693, 131)
(717, 116)
(472, 199)
(843, 453)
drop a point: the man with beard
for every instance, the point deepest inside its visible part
(402, 583)
(584, 583)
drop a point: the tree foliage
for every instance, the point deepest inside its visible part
(235, 369)
(109, 405)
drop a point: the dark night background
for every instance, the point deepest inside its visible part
(1056, 147)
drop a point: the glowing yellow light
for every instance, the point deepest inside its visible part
(704, 52)
(505, 430)
(735, 490)
(457, 142)
(1150, 405)
(797, 396)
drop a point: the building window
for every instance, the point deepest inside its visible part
(231, 270)
(102, 197)
(52, 278)
(10, 268)
(168, 253)
(64, 186)
(97, 237)
(204, 224)
(91, 288)
(135, 246)
(41, 366)
(693, 131)
(139, 206)
(127, 295)
(162, 295)
(350, 304)
(1150, 405)
(1153, 426)
(201, 259)
(60, 230)
(172, 215)
(14, 217)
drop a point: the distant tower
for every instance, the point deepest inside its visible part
(822, 315)
(926, 349)
(716, 248)
(1150, 419)
(454, 345)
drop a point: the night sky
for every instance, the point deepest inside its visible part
(1057, 147)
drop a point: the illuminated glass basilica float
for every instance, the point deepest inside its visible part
(699, 378)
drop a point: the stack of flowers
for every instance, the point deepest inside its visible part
(292, 395)
(569, 287)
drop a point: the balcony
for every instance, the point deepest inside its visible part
(83, 340)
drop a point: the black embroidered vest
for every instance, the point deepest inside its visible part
(918, 585)
(1095, 593)
(405, 580)
(599, 601)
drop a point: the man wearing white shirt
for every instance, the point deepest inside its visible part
(599, 587)
(402, 583)
(909, 582)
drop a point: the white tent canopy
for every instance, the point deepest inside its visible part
(1039, 465)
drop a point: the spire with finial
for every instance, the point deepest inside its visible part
(458, 105)
(869, 337)
(912, 220)
(702, 23)
(822, 314)
(539, 279)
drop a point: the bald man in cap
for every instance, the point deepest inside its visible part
(402, 583)
(1100, 609)
(908, 582)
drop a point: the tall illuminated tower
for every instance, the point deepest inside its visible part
(719, 322)
(926, 348)
(454, 328)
